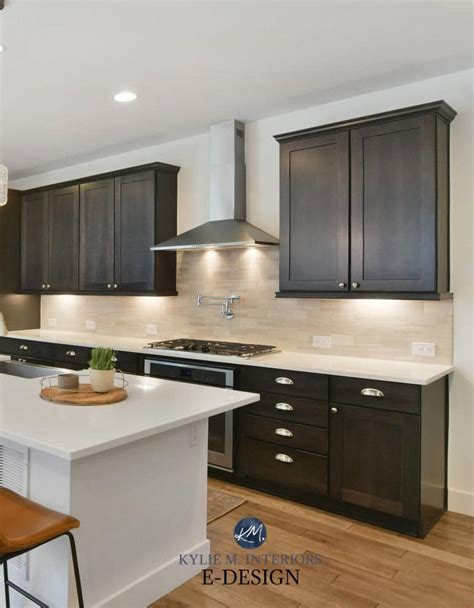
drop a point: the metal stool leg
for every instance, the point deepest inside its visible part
(5, 582)
(77, 575)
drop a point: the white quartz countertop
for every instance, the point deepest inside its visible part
(153, 406)
(355, 367)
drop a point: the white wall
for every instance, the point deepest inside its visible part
(262, 187)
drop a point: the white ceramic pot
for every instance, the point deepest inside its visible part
(102, 380)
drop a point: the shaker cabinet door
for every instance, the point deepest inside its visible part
(135, 232)
(34, 242)
(96, 262)
(393, 206)
(63, 248)
(374, 459)
(314, 245)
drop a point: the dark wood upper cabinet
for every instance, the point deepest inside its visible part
(376, 225)
(10, 228)
(315, 209)
(375, 460)
(134, 231)
(96, 261)
(95, 236)
(63, 239)
(34, 241)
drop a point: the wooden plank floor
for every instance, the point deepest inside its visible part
(362, 566)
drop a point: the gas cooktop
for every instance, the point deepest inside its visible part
(231, 349)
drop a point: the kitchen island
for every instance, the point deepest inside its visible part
(134, 473)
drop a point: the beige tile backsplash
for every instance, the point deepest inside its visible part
(382, 329)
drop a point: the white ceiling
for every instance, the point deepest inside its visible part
(195, 63)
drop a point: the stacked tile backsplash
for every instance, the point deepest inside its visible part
(382, 329)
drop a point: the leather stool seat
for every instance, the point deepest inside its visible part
(25, 524)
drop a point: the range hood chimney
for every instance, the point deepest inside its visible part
(227, 227)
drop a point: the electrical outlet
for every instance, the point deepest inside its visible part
(52, 322)
(322, 341)
(91, 325)
(193, 434)
(151, 330)
(423, 349)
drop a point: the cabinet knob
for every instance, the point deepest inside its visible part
(70, 353)
(109, 285)
(283, 380)
(23, 347)
(283, 432)
(114, 359)
(286, 407)
(355, 285)
(284, 458)
(342, 285)
(371, 392)
(334, 410)
(43, 286)
(115, 285)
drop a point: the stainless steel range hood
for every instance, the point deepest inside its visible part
(227, 227)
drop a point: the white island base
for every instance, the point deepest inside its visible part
(141, 505)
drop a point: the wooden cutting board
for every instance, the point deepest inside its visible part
(84, 395)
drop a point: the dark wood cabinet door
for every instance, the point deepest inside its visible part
(135, 232)
(393, 206)
(96, 262)
(314, 245)
(374, 459)
(34, 241)
(63, 249)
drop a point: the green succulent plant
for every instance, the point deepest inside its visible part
(102, 358)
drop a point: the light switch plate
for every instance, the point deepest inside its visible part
(322, 341)
(423, 349)
(91, 325)
(152, 330)
(52, 322)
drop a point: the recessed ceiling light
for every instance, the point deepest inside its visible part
(2, 47)
(125, 96)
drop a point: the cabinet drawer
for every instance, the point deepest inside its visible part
(284, 382)
(127, 362)
(304, 472)
(382, 395)
(30, 349)
(79, 355)
(291, 409)
(298, 436)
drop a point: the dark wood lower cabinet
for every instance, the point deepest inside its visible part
(374, 459)
(368, 449)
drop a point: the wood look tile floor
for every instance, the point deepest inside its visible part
(362, 566)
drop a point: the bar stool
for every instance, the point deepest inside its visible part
(26, 525)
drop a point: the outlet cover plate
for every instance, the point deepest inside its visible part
(52, 322)
(152, 330)
(322, 341)
(423, 349)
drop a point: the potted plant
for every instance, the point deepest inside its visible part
(102, 369)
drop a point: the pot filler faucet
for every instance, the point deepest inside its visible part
(225, 302)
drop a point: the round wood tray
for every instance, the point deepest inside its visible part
(84, 395)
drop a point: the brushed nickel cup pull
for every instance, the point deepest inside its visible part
(283, 380)
(283, 432)
(70, 353)
(355, 285)
(23, 347)
(286, 407)
(371, 392)
(341, 285)
(114, 359)
(284, 458)
(334, 410)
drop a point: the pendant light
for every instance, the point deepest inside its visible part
(3, 185)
